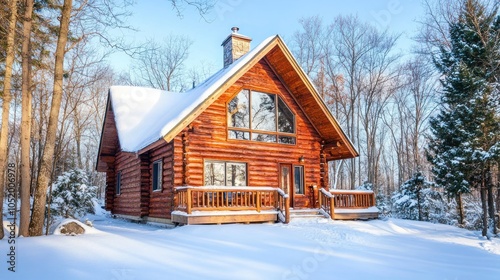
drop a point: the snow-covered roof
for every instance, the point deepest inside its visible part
(145, 115)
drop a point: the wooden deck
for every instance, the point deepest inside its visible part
(218, 205)
(348, 204)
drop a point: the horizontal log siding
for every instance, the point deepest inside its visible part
(110, 188)
(128, 202)
(208, 140)
(161, 202)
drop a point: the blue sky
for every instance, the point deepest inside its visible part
(259, 19)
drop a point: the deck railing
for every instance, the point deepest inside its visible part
(189, 199)
(344, 199)
(326, 202)
(353, 199)
(283, 206)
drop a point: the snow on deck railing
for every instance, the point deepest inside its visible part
(353, 199)
(229, 188)
(217, 198)
(326, 202)
(326, 193)
(350, 191)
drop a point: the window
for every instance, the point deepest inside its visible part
(262, 117)
(298, 179)
(118, 182)
(157, 175)
(223, 173)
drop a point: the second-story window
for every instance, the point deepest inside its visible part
(259, 116)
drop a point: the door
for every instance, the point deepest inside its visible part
(286, 180)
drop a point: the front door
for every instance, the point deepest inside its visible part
(286, 180)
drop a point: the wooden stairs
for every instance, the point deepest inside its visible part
(306, 213)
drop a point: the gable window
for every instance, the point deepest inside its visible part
(262, 117)
(157, 175)
(118, 182)
(225, 173)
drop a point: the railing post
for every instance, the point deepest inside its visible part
(287, 210)
(320, 198)
(332, 210)
(373, 199)
(259, 201)
(276, 201)
(188, 206)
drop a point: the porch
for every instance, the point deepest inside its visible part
(217, 205)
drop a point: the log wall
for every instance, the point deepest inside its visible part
(128, 202)
(161, 202)
(206, 138)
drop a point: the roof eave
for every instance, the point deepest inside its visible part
(218, 91)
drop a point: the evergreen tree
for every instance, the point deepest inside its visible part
(417, 200)
(464, 144)
(71, 195)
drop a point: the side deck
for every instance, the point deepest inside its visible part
(218, 205)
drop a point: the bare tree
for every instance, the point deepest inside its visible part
(26, 121)
(307, 44)
(434, 31)
(6, 96)
(406, 119)
(202, 6)
(37, 218)
(358, 62)
(160, 65)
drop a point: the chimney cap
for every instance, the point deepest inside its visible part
(235, 34)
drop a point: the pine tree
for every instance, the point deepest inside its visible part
(72, 197)
(464, 143)
(417, 200)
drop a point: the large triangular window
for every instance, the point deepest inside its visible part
(259, 116)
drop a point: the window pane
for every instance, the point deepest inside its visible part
(286, 140)
(263, 111)
(299, 179)
(263, 137)
(214, 173)
(285, 118)
(242, 135)
(118, 182)
(157, 175)
(236, 174)
(238, 111)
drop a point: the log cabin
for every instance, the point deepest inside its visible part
(250, 144)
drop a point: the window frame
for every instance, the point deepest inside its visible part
(159, 176)
(225, 162)
(302, 179)
(277, 134)
(118, 183)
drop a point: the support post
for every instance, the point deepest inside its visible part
(188, 206)
(259, 202)
(332, 210)
(287, 210)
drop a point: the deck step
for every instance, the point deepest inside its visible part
(305, 213)
(307, 216)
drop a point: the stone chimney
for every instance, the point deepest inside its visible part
(235, 46)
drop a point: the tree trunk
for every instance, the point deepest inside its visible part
(491, 200)
(7, 97)
(26, 122)
(485, 209)
(460, 206)
(419, 204)
(37, 218)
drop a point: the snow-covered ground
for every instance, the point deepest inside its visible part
(303, 249)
